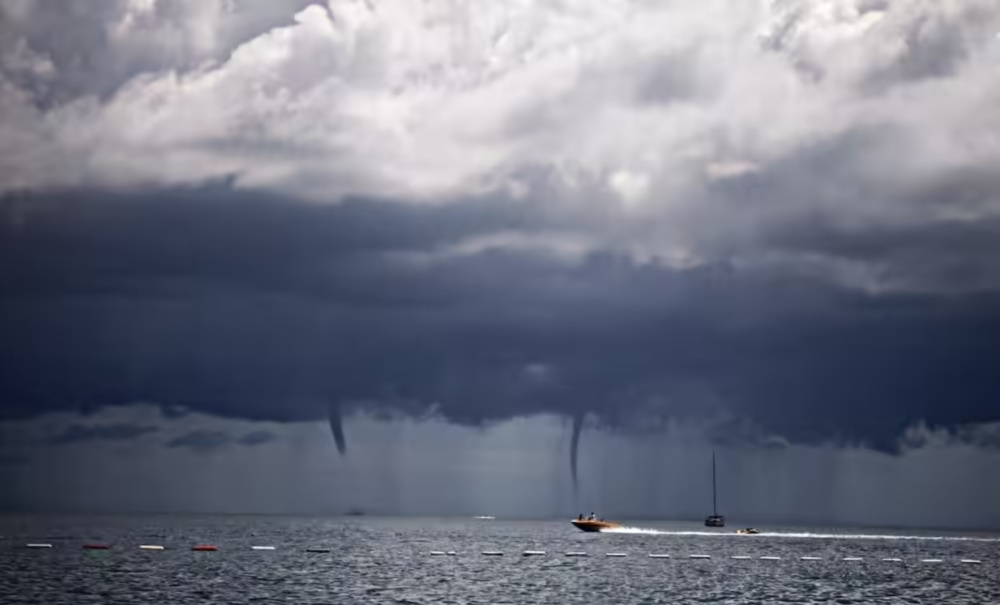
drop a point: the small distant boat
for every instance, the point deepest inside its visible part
(715, 519)
(748, 530)
(484, 517)
(593, 525)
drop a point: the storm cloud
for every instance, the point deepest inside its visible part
(262, 308)
(780, 218)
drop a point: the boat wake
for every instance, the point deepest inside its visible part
(798, 535)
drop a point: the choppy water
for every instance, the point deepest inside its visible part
(385, 560)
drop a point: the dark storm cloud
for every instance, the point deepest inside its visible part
(220, 237)
(14, 460)
(76, 433)
(253, 307)
(951, 254)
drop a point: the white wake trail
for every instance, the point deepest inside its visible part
(799, 535)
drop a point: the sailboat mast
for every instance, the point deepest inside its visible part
(715, 510)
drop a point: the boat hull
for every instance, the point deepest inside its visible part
(593, 526)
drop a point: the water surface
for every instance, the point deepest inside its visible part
(389, 560)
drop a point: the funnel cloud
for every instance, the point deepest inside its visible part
(337, 428)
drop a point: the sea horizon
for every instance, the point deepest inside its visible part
(628, 521)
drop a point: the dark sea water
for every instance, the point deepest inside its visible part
(389, 560)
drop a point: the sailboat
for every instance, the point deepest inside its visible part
(715, 519)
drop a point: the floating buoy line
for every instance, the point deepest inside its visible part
(524, 553)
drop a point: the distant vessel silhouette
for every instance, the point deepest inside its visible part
(715, 519)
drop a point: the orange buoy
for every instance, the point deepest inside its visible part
(203, 547)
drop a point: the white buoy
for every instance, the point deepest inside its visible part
(893, 560)
(574, 553)
(659, 556)
(435, 553)
(262, 548)
(931, 561)
(39, 545)
(810, 559)
(451, 553)
(770, 558)
(150, 547)
(853, 559)
(531, 553)
(616, 554)
(974, 561)
(700, 556)
(742, 557)
(492, 553)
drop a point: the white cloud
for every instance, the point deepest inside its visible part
(630, 186)
(727, 170)
(636, 108)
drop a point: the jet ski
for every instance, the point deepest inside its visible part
(748, 530)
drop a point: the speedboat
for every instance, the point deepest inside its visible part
(748, 530)
(592, 525)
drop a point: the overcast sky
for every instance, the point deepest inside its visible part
(351, 245)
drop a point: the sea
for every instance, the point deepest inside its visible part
(302, 560)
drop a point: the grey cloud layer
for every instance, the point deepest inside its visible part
(109, 432)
